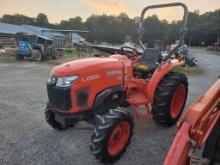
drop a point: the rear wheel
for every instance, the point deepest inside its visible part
(170, 98)
(55, 54)
(37, 56)
(212, 146)
(19, 57)
(112, 135)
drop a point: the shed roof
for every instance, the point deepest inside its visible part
(13, 29)
(39, 31)
(35, 29)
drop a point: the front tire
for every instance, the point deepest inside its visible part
(37, 56)
(50, 119)
(170, 98)
(112, 135)
(55, 54)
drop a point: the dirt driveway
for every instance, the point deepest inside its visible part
(25, 138)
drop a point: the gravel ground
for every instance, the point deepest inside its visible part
(25, 137)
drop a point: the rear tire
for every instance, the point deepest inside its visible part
(60, 53)
(37, 56)
(212, 146)
(170, 98)
(55, 54)
(112, 135)
(18, 57)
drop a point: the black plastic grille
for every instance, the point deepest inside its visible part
(59, 98)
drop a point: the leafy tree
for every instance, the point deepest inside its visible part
(152, 30)
(42, 20)
(17, 19)
(72, 23)
(113, 29)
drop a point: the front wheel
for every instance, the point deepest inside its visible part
(50, 119)
(37, 56)
(112, 135)
(55, 54)
(170, 98)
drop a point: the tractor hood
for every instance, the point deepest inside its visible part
(87, 65)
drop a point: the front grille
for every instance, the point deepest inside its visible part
(59, 98)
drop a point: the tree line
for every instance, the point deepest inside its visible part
(202, 28)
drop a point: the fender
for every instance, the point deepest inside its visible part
(100, 98)
(37, 47)
(159, 74)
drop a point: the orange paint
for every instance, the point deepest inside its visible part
(196, 125)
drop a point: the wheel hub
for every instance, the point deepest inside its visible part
(178, 100)
(119, 138)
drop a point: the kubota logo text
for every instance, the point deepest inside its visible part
(91, 77)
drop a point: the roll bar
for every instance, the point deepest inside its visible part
(182, 29)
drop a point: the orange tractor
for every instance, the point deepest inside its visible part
(97, 90)
(199, 126)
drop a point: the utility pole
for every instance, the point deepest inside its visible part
(218, 41)
(190, 37)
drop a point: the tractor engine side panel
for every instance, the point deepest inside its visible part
(128, 68)
(91, 83)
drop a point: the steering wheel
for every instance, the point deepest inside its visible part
(130, 52)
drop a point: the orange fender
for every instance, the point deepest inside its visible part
(159, 75)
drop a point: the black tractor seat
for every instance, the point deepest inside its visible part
(148, 61)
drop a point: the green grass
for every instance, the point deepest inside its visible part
(7, 59)
(189, 70)
(68, 56)
(73, 53)
(215, 52)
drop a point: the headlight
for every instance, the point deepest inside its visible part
(65, 81)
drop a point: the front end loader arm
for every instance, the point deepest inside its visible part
(178, 153)
(196, 126)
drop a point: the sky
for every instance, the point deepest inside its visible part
(58, 10)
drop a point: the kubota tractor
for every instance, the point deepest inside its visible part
(98, 90)
(199, 126)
